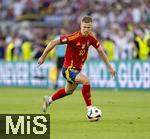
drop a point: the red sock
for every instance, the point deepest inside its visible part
(86, 94)
(59, 94)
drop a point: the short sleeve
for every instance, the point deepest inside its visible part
(69, 38)
(95, 42)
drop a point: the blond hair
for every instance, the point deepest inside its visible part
(87, 19)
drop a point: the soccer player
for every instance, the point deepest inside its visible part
(76, 53)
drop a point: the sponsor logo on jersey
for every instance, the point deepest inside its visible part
(78, 44)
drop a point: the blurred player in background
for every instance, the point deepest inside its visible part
(60, 52)
(76, 53)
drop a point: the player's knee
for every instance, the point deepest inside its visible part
(86, 81)
(69, 92)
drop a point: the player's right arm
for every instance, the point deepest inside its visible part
(48, 48)
(52, 44)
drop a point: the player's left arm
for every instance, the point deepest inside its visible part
(105, 59)
(100, 50)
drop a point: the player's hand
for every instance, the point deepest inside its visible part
(41, 60)
(112, 71)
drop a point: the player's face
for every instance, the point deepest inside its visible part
(86, 28)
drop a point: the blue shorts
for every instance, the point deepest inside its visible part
(70, 74)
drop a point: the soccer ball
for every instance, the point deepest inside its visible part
(94, 114)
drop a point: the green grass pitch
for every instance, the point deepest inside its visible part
(126, 113)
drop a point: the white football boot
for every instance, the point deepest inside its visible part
(46, 103)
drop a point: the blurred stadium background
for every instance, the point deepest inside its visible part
(123, 26)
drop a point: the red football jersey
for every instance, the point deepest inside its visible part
(77, 49)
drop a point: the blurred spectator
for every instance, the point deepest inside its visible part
(109, 47)
(18, 6)
(141, 46)
(11, 54)
(2, 50)
(26, 49)
(38, 51)
(147, 42)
